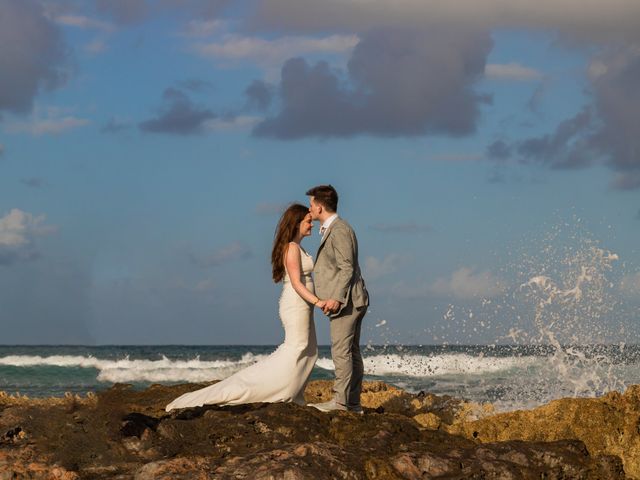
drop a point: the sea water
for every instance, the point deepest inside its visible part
(557, 322)
(510, 376)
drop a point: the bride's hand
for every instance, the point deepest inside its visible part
(321, 304)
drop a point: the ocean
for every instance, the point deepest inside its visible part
(508, 376)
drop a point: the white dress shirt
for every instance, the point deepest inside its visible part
(327, 223)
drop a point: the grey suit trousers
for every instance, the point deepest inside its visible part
(347, 358)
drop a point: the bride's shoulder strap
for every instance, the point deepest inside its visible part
(292, 244)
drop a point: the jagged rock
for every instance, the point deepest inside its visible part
(124, 433)
(175, 469)
(607, 425)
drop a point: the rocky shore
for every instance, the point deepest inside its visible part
(124, 433)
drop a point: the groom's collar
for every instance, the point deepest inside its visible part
(327, 223)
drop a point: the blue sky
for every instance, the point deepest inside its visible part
(147, 148)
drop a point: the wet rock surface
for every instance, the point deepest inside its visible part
(123, 433)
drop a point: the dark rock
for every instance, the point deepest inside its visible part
(134, 424)
(124, 433)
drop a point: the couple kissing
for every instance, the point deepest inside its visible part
(334, 285)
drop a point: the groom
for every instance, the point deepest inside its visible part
(339, 281)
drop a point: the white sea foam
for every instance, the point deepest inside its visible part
(197, 370)
(436, 365)
(128, 370)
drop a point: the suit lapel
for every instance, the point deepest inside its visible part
(326, 235)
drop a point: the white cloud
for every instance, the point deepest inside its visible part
(273, 52)
(96, 47)
(241, 122)
(81, 21)
(53, 121)
(17, 227)
(465, 283)
(203, 28)
(18, 230)
(375, 268)
(512, 71)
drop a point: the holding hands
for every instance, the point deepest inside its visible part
(328, 306)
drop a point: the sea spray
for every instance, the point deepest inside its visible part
(566, 305)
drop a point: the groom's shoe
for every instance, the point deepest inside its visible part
(355, 409)
(329, 406)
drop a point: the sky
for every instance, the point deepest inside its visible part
(148, 147)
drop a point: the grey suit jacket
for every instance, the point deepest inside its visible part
(336, 271)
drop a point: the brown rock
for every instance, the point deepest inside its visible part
(608, 425)
(175, 469)
(123, 433)
(428, 420)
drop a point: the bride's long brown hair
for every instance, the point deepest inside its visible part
(286, 231)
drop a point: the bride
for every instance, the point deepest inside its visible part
(282, 376)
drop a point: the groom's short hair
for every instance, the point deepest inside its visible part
(326, 196)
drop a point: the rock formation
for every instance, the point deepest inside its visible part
(124, 433)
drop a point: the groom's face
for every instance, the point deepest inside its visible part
(315, 209)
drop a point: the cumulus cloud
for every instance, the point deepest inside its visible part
(203, 28)
(268, 52)
(125, 13)
(400, 83)
(259, 95)
(600, 21)
(50, 122)
(179, 115)
(84, 22)
(511, 71)
(18, 230)
(605, 132)
(567, 147)
(231, 121)
(375, 268)
(615, 77)
(465, 283)
(228, 253)
(32, 56)
(409, 227)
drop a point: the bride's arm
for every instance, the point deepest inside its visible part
(293, 266)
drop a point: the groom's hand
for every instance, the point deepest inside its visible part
(331, 306)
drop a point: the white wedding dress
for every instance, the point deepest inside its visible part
(282, 376)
